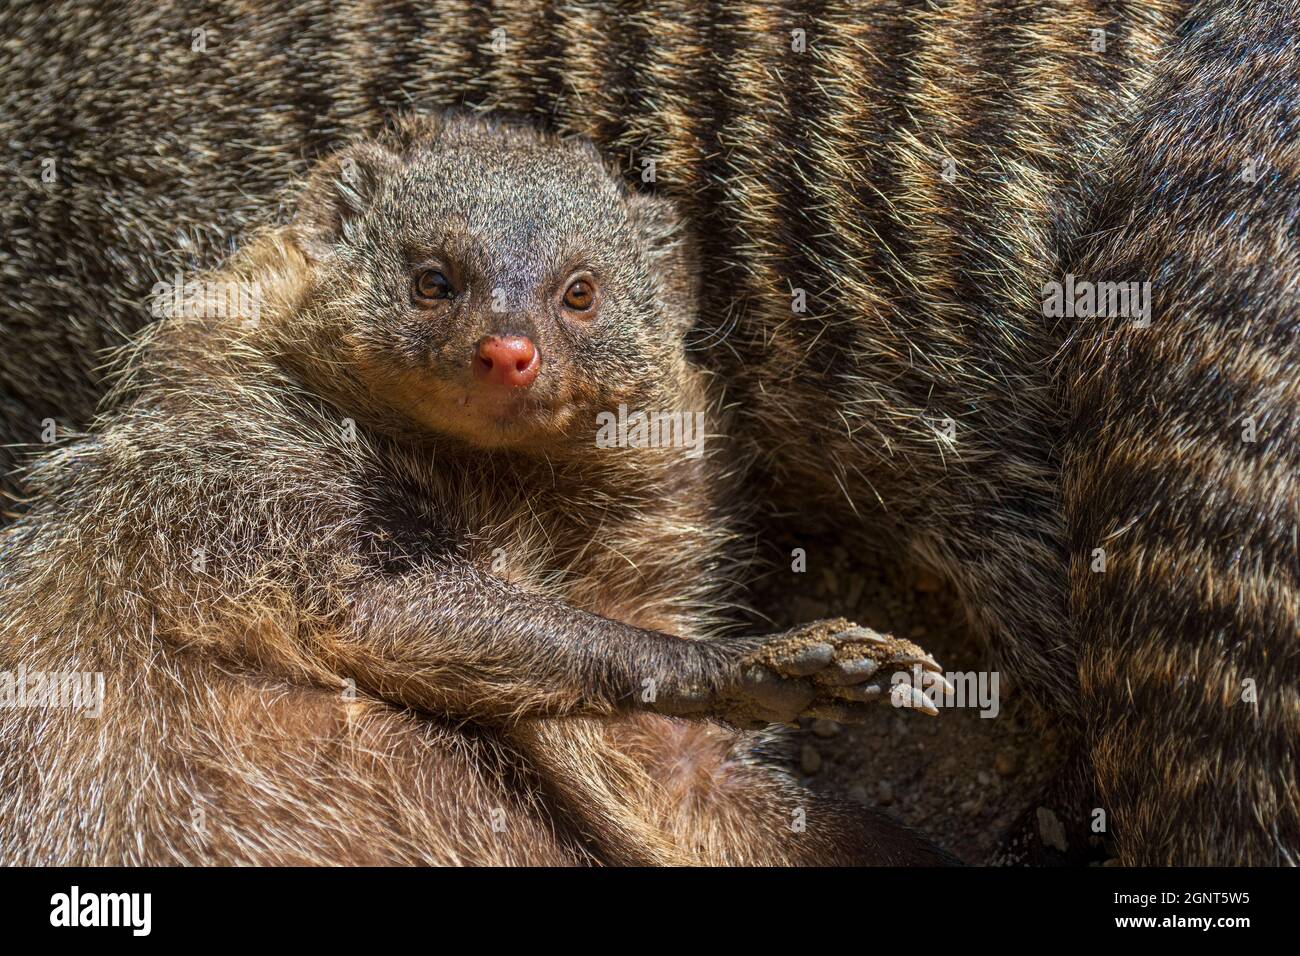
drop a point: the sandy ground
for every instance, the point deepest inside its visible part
(960, 778)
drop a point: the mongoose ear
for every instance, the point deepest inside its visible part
(656, 218)
(339, 190)
(676, 264)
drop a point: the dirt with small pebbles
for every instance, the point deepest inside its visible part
(960, 778)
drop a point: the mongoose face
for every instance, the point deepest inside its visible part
(493, 284)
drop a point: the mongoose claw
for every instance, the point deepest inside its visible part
(831, 668)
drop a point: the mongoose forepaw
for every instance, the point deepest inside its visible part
(831, 668)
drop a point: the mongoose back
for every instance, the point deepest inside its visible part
(1185, 457)
(364, 580)
(908, 174)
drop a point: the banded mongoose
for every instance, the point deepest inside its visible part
(910, 174)
(1184, 457)
(363, 581)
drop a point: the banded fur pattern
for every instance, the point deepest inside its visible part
(1184, 456)
(820, 170)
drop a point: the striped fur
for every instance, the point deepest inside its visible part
(1201, 591)
(819, 171)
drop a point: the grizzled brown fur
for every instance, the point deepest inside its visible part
(824, 171)
(1185, 448)
(326, 497)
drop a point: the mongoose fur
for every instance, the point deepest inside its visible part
(358, 601)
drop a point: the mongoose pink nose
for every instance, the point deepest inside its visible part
(511, 360)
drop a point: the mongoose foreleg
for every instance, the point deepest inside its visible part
(457, 641)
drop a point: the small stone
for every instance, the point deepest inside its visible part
(1006, 763)
(858, 793)
(825, 728)
(884, 793)
(810, 761)
(984, 778)
(1050, 829)
(968, 806)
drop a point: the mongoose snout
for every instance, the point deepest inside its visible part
(459, 299)
(511, 361)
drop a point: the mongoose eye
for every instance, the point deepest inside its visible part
(580, 296)
(431, 285)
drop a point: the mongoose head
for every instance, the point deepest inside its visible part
(493, 283)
